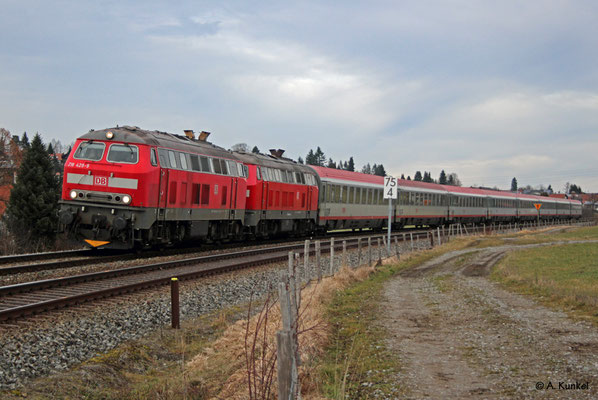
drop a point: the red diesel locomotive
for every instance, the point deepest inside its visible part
(125, 187)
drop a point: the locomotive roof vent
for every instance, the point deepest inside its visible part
(189, 133)
(277, 153)
(203, 136)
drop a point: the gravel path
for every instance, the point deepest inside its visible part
(460, 336)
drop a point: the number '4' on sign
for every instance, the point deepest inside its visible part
(390, 187)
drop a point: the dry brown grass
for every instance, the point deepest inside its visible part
(222, 368)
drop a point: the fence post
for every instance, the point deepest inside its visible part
(369, 251)
(306, 260)
(174, 303)
(379, 253)
(411, 236)
(331, 256)
(344, 253)
(439, 238)
(397, 248)
(386, 246)
(318, 261)
(431, 237)
(358, 252)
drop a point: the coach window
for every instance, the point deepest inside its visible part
(120, 153)
(195, 165)
(345, 195)
(183, 159)
(172, 159)
(153, 158)
(90, 151)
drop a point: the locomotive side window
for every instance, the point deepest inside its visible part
(153, 158)
(120, 153)
(223, 167)
(183, 159)
(195, 164)
(232, 168)
(205, 164)
(162, 154)
(240, 169)
(172, 159)
(216, 164)
(90, 151)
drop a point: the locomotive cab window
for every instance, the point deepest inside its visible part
(183, 159)
(205, 164)
(195, 164)
(123, 153)
(153, 158)
(90, 151)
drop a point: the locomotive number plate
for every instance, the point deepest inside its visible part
(100, 180)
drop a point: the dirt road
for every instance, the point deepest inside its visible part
(460, 336)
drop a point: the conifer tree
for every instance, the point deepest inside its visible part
(351, 165)
(300, 160)
(418, 176)
(255, 150)
(514, 185)
(442, 178)
(403, 176)
(24, 141)
(31, 211)
(320, 158)
(379, 170)
(310, 158)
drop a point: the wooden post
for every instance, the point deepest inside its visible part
(439, 238)
(306, 261)
(379, 253)
(174, 303)
(431, 237)
(386, 246)
(358, 252)
(369, 251)
(344, 253)
(411, 236)
(397, 248)
(284, 363)
(331, 256)
(318, 261)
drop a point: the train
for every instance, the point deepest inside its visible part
(129, 188)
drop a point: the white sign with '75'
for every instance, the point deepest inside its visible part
(391, 187)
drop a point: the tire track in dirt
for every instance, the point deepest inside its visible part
(459, 336)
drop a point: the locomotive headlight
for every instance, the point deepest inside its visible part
(109, 135)
(126, 199)
(73, 194)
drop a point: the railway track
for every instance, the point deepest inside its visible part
(20, 300)
(90, 257)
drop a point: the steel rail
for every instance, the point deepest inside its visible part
(16, 300)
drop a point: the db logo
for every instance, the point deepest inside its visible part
(100, 180)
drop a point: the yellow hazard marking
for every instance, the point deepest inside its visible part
(174, 279)
(96, 243)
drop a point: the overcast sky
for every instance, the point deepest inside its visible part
(490, 90)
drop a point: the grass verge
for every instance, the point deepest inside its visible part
(561, 276)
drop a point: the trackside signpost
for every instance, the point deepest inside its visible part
(391, 190)
(538, 205)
